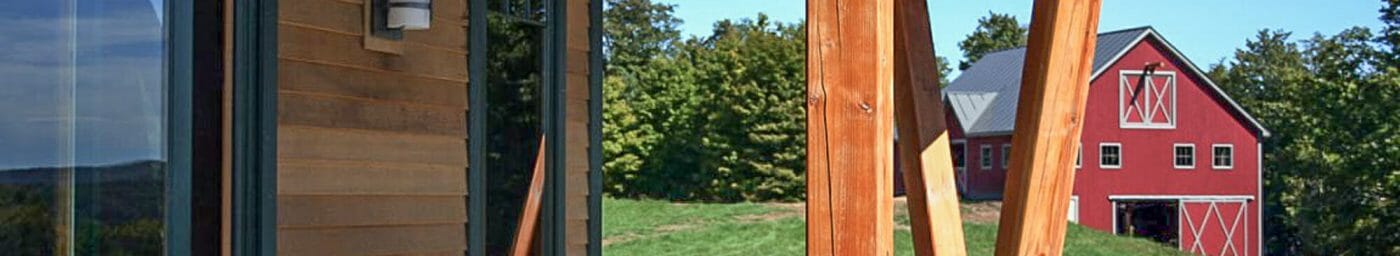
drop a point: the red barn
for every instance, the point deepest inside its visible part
(1165, 154)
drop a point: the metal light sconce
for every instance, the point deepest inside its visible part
(391, 17)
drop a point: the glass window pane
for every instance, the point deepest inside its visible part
(959, 155)
(82, 155)
(986, 157)
(514, 81)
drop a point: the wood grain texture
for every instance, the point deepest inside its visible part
(380, 240)
(352, 178)
(371, 146)
(329, 110)
(850, 127)
(530, 211)
(576, 135)
(325, 46)
(923, 136)
(1054, 87)
(325, 211)
(308, 77)
(320, 143)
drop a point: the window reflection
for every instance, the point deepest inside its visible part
(514, 83)
(81, 137)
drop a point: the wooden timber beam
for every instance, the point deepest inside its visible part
(1049, 115)
(923, 135)
(850, 131)
(530, 212)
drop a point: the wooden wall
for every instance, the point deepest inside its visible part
(372, 149)
(576, 126)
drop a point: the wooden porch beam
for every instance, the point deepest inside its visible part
(530, 212)
(1049, 115)
(923, 136)
(850, 133)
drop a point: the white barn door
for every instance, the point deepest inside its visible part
(1215, 226)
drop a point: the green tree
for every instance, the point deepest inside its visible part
(1332, 173)
(713, 118)
(943, 71)
(1390, 35)
(994, 32)
(755, 123)
(638, 31)
(639, 38)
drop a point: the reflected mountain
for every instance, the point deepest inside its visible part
(115, 209)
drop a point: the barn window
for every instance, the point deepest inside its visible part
(959, 154)
(1224, 156)
(1185, 156)
(1079, 155)
(1005, 156)
(986, 157)
(1147, 99)
(1110, 155)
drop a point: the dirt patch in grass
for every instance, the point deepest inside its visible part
(783, 211)
(972, 211)
(981, 212)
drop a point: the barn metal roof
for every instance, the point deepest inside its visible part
(983, 98)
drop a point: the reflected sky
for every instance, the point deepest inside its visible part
(82, 83)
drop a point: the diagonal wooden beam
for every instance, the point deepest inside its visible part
(850, 127)
(923, 136)
(530, 212)
(1049, 115)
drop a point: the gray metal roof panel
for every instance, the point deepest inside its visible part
(998, 75)
(995, 82)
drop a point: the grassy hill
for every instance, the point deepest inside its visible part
(662, 228)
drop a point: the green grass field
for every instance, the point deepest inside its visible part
(662, 228)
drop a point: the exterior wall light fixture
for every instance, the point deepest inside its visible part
(391, 17)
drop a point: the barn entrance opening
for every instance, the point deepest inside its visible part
(1153, 219)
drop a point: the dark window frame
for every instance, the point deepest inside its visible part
(1116, 156)
(1222, 162)
(1186, 161)
(1006, 156)
(254, 129)
(179, 91)
(552, 240)
(1079, 156)
(984, 157)
(194, 73)
(959, 160)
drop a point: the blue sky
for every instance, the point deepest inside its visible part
(83, 86)
(1205, 30)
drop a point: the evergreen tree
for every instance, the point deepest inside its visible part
(994, 33)
(1332, 168)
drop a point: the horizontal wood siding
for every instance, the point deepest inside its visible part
(372, 149)
(576, 127)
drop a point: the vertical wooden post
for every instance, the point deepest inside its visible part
(1054, 85)
(850, 131)
(923, 136)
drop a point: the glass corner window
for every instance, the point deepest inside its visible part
(82, 128)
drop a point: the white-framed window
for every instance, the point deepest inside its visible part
(986, 157)
(1110, 155)
(959, 151)
(1222, 156)
(1005, 156)
(1079, 156)
(1073, 214)
(1146, 100)
(1184, 156)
